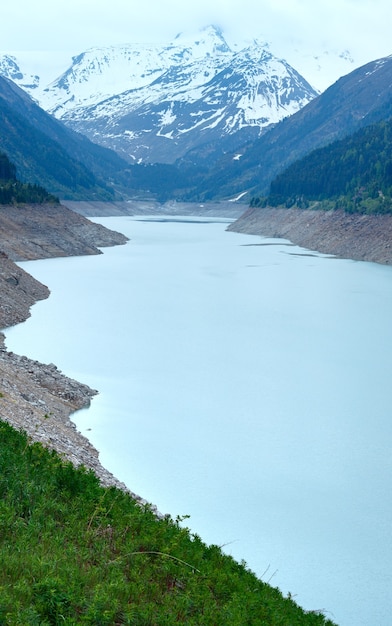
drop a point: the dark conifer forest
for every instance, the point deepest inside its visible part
(353, 174)
(12, 191)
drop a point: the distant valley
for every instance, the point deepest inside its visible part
(155, 104)
(192, 120)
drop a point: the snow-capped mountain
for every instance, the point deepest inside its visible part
(324, 67)
(157, 103)
(100, 73)
(9, 67)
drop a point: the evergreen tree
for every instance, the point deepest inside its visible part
(354, 174)
(12, 191)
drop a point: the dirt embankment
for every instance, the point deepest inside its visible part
(47, 231)
(39, 232)
(358, 237)
(36, 397)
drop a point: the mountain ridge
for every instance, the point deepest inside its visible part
(152, 104)
(357, 100)
(183, 115)
(47, 153)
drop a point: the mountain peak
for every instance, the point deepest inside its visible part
(209, 39)
(154, 103)
(9, 67)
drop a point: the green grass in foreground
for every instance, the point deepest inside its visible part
(73, 552)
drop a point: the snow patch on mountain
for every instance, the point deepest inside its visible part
(156, 102)
(100, 73)
(9, 67)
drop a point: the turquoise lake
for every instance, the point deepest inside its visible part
(243, 381)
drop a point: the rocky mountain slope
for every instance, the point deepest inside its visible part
(228, 119)
(357, 100)
(155, 103)
(48, 153)
(213, 110)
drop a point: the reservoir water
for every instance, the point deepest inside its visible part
(245, 382)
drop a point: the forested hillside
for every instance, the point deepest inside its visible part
(48, 154)
(355, 101)
(354, 174)
(12, 191)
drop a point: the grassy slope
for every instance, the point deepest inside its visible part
(73, 552)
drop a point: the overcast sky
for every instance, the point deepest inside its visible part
(72, 26)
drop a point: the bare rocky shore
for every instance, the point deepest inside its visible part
(36, 397)
(357, 237)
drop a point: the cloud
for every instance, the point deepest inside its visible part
(70, 25)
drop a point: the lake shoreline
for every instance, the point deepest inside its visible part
(31, 391)
(36, 397)
(346, 236)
